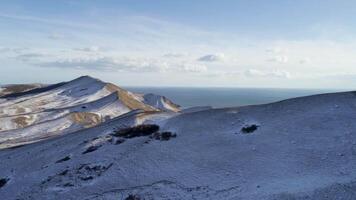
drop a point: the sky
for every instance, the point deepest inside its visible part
(185, 43)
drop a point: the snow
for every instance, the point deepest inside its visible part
(304, 148)
(196, 109)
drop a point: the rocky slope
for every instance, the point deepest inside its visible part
(302, 148)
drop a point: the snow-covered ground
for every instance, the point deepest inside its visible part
(302, 148)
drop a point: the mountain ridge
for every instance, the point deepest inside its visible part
(80, 103)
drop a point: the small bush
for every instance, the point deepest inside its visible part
(249, 128)
(137, 131)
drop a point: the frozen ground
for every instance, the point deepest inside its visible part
(303, 148)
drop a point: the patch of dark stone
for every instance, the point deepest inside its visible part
(63, 159)
(249, 128)
(119, 141)
(163, 136)
(96, 169)
(3, 182)
(133, 197)
(91, 149)
(85, 172)
(68, 185)
(63, 173)
(86, 178)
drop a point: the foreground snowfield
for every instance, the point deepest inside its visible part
(303, 148)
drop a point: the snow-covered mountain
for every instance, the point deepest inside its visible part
(32, 115)
(302, 148)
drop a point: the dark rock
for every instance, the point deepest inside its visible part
(68, 185)
(91, 149)
(119, 141)
(164, 136)
(63, 159)
(86, 178)
(133, 197)
(137, 131)
(167, 135)
(3, 182)
(249, 128)
(63, 173)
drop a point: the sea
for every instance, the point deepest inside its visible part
(226, 97)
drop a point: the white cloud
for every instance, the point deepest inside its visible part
(12, 49)
(196, 68)
(105, 63)
(31, 56)
(279, 59)
(88, 49)
(55, 36)
(173, 55)
(212, 57)
(267, 74)
(274, 50)
(304, 60)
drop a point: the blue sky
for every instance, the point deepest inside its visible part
(227, 43)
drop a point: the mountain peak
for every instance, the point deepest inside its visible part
(85, 78)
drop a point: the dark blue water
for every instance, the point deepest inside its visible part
(226, 97)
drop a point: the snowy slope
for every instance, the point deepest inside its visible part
(61, 108)
(160, 102)
(303, 148)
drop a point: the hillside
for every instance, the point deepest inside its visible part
(41, 113)
(302, 148)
